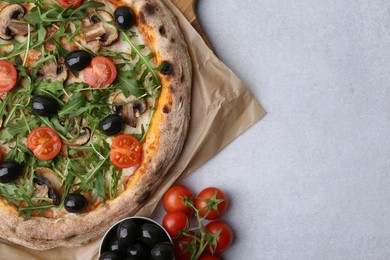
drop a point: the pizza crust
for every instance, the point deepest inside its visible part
(163, 145)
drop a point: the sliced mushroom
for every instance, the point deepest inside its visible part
(83, 138)
(49, 184)
(53, 72)
(129, 108)
(101, 29)
(8, 27)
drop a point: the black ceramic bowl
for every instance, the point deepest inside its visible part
(149, 235)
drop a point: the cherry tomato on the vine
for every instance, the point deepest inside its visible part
(8, 76)
(100, 73)
(209, 257)
(125, 151)
(67, 3)
(44, 142)
(184, 245)
(173, 199)
(211, 203)
(223, 240)
(174, 222)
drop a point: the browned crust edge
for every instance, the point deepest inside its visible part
(172, 127)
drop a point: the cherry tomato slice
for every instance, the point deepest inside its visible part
(173, 199)
(8, 76)
(125, 151)
(67, 3)
(44, 142)
(100, 73)
(174, 222)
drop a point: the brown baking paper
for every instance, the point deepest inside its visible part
(222, 108)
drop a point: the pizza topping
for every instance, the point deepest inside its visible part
(130, 108)
(44, 142)
(8, 27)
(67, 3)
(53, 72)
(75, 203)
(100, 73)
(125, 151)
(124, 17)
(8, 76)
(44, 105)
(51, 183)
(10, 171)
(78, 60)
(101, 29)
(112, 124)
(82, 137)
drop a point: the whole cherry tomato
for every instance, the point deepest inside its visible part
(211, 203)
(184, 246)
(223, 240)
(174, 222)
(173, 199)
(209, 257)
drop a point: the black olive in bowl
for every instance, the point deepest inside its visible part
(131, 233)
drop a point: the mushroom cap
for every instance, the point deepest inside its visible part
(9, 12)
(105, 20)
(52, 71)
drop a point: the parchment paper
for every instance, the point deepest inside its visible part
(222, 108)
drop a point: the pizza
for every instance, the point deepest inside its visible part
(95, 108)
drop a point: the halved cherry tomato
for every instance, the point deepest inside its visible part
(223, 240)
(211, 203)
(174, 222)
(125, 151)
(209, 257)
(100, 73)
(44, 142)
(8, 76)
(173, 199)
(67, 3)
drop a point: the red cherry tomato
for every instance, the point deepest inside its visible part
(184, 246)
(173, 199)
(211, 203)
(67, 3)
(8, 76)
(44, 142)
(223, 240)
(174, 222)
(100, 73)
(125, 151)
(209, 257)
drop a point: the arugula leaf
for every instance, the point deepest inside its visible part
(128, 85)
(75, 106)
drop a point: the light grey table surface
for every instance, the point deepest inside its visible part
(312, 179)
